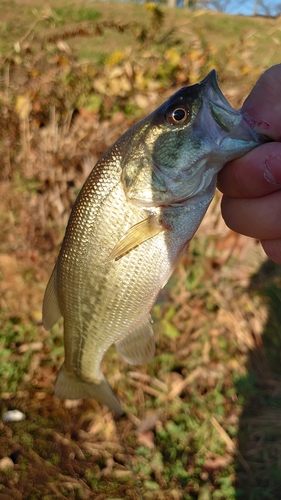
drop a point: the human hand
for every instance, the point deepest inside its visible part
(251, 185)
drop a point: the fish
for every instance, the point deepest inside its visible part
(129, 227)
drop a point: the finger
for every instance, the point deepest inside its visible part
(256, 217)
(262, 108)
(255, 174)
(272, 249)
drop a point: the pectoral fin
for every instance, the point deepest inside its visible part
(51, 311)
(137, 234)
(138, 347)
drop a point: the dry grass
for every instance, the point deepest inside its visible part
(202, 420)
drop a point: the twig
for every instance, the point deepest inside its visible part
(232, 448)
(143, 377)
(43, 15)
(146, 388)
(182, 385)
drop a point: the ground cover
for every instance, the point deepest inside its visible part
(203, 419)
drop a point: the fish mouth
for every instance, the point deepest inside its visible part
(225, 125)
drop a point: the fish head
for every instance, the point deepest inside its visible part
(177, 151)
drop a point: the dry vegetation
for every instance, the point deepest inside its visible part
(203, 419)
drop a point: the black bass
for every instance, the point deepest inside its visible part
(130, 225)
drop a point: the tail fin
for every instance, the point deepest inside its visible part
(69, 386)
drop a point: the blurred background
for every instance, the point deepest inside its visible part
(203, 419)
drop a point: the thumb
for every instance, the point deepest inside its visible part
(262, 108)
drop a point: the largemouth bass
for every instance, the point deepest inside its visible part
(129, 227)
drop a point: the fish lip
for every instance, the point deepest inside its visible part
(213, 93)
(224, 115)
(211, 82)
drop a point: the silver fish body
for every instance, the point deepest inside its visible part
(130, 225)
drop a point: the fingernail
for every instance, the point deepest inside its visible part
(272, 169)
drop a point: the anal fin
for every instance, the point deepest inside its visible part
(137, 234)
(138, 347)
(51, 311)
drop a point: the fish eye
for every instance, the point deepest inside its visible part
(178, 114)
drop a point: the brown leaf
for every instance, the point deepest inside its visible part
(146, 439)
(216, 463)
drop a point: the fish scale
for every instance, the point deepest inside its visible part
(116, 307)
(130, 225)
